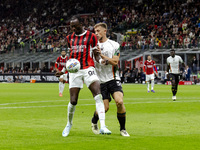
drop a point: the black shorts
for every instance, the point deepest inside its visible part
(174, 77)
(109, 88)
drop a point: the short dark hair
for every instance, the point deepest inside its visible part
(78, 17)
(172, 50)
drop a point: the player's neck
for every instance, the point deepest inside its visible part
(63, 56)
(104, 39)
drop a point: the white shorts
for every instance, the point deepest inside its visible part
(64, 76)
(88, 76)
(149, 77)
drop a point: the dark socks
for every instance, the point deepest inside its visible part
(95, 118)
(122, 120)
(174, 90)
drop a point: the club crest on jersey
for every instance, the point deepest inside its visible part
(84, 39)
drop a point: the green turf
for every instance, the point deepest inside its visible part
(32, 116)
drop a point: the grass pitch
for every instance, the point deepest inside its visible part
(33, 116)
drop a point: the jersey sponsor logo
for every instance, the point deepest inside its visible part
(80, 48)
(63, 64)
(149, 66)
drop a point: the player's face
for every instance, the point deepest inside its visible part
(63, 53)
(149, 57)
(100, 32)
(76, 26)
(172, 53)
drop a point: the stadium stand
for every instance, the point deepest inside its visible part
(34, 32)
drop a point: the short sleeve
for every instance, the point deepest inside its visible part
(117, 49)
(180, 60)
(168, 61)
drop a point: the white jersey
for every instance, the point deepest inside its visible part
(174, 64)
(108, 72)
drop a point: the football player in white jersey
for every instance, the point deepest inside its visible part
(107, 71)
(173, 62)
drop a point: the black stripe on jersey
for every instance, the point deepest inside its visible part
(68, 41)
(82, 43)
(72, 44)
(88, 47)
(77, 43)
(94, 41)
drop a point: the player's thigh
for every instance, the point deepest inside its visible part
(172, 78)
(90, 76)
(177, 78)
(116, 91)
(148, 77)
(75, 80)
(152, 76)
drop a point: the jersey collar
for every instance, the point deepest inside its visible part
(82, 33)
(63, 57)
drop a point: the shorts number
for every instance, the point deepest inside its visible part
(91, 73)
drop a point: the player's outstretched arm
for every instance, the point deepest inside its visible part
(58, 74)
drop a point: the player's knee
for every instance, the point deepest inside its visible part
(73, 102)
(173, 83)
(119, 103)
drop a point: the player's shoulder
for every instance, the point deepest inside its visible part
(70, 35)
(177, 56)
(169, 57)
(113, 43)
(88, 32)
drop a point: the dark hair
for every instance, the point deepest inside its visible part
(172, 50)
(78, 17)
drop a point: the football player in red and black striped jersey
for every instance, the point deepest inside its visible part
(60, 63)
(82, 44)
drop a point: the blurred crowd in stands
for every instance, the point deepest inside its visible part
(141, 24)
(41, 26)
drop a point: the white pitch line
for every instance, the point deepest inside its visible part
(150, 102)
(126, 99)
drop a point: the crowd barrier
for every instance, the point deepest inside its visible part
(32, 78)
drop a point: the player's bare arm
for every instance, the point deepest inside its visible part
(113, 61)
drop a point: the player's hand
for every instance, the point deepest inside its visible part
(98, 50)
(156, 74)
(168, 76)
(58, 74)
(103, 62)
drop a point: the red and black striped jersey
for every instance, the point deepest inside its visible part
(61, 62)
(81, 48)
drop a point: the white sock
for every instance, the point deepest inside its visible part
(152, 84)
(70, 113)
(61, 87)
(148, 85)
(100, 109)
